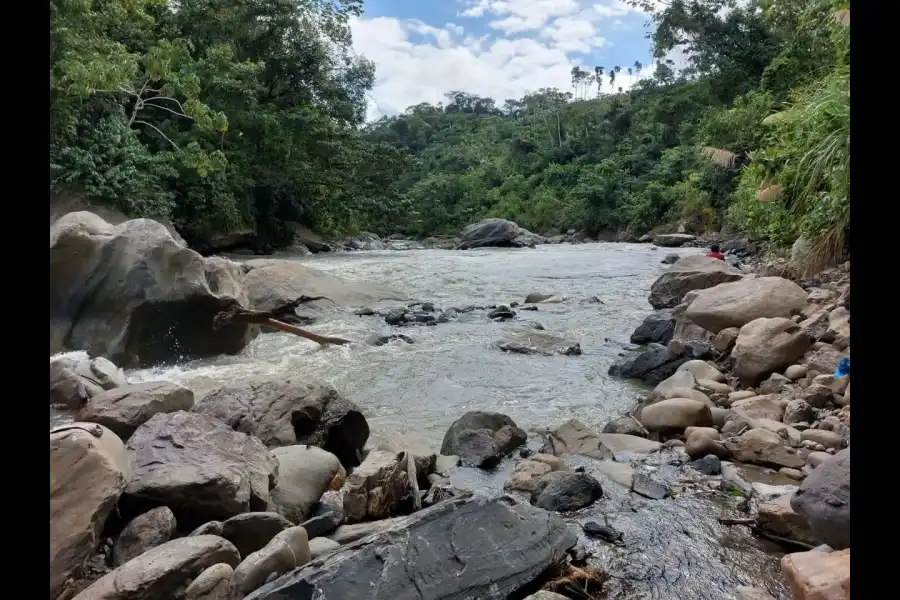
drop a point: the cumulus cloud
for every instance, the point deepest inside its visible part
(529, 44)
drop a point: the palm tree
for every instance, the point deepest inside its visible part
(637, 67)
(630, 75)
(598, 76)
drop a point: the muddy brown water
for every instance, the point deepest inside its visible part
(675, 548)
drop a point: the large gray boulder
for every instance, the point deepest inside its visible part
(275, 282)
(304, 474)
(163, 571)
(690, 273)
(502, 545)
(490, 232)
(284, 411)
(135, 295)
(89, 469)
(200, 467)
(126, 408)
(75, 378)
(736, 304)
(766, 346)
(824, 499)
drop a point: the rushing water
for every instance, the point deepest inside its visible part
(454, 367)
(675, 548)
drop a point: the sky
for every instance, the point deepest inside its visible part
(502, 49)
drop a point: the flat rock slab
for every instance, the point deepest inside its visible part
(541, 343)
(124, 409)
(467, 548)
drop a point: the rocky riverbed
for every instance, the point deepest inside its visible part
(688, 470)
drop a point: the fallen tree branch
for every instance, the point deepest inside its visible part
(238, 314)
(639, 424)
(728, 521)
(781, 540)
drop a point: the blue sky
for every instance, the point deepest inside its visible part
(498, 48)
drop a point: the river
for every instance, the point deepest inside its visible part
(675, 548)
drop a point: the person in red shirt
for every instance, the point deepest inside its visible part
(714, 252)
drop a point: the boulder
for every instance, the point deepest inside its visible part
(89, 469)
(124, 409)
(163, 571)
(527, 238)
(421, 452)
(652, 366)
(304, 474)
(824, 500)
(818, 575)
(701, 369)
(251, 531)
(765, 346)
(725, 339)
(823, 361)
(829, 439)
(275, 282)
(540, 342)
(675, 414)
(199, 467)
(74, 378)
(737, 303)
(526, 474)
(284, 411)
(477, 439)
(761, 407)
(212, 584)
(490, 232)
(135, 295)
(778, 518)
(563, 492)
(700, 444)
(143, 533)
(625, 425)
(574, 437)
(505, 545)
(690, 273)
(657, 327)
(763, 447)
(377, 487)
(321, 546)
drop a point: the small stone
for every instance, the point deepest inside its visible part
(647, 487)
(795, 372)
(319, 547)
(827, 439)
(212, 584)
(251, 531)
(143, 533)
(708, 465)
(818, 575)
(795, 474)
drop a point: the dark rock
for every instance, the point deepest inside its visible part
(670, 259)
(708, 465)
(603, 532)
(502, 312)
(673, 240)
(651, 367)
(380, 340)
(824, 499)
(284, 411)
(656, 328)
(200, 467)
(251, 531)
(322, 524)
(490, 232)
(646, 486)
(689, 273)
(504, 546)
(143, 533)
(472, 438)
(560, 491)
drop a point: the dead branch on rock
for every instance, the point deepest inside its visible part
(781, 540)
(270, 318)
(728, 521)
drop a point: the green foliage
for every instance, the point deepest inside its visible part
(228, 115)
(222, 114)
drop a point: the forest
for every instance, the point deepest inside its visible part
(231, 114)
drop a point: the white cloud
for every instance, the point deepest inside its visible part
(529, 45)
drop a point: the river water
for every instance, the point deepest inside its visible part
(675, 548)
(454, 367)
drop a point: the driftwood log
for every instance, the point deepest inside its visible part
(236, 313)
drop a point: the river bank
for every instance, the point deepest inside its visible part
(457, 356)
